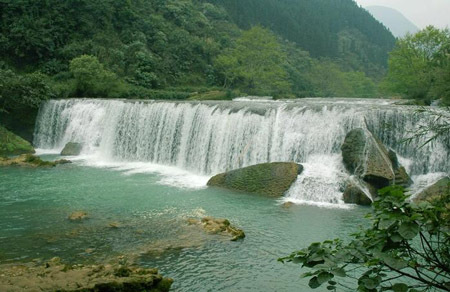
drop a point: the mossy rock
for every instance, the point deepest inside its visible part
(11, 144)
(365, 155)
(355, 195)
(72, 149)
(27, 160)
(434, 191)
(269, 179)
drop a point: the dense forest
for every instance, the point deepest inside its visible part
(334, 29)
(189, 49)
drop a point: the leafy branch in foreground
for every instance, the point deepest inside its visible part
(438, 125)
(406, 249)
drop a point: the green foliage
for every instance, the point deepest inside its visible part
(11, 144)
(19, 92)
(91, 79)
(419, 66)
(328, 79)
(326, 29)
(143, 48)
(405, 249)
(255, 63)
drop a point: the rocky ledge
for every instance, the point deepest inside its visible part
(29, 160)
(55, 276)
(270, 179)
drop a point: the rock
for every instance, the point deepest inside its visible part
(26, 160)
(270, 179)
(366, 157)
(402, 178)
(63, 161)
(218, 226)
(287, 205)
(55, 276)
(114, 225)
(434, 191)
(11, 144)
(372, 164)
(353, 194)
(78, 216)
(72, 149)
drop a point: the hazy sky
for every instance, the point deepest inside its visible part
(420, 12)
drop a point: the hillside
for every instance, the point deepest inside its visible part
(333, 29)
(397, 23)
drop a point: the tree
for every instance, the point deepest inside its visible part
(91, 78)
(419, 65)
(406, 249)
(22, 92)
(255, 63)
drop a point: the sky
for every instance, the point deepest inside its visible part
(420, 12)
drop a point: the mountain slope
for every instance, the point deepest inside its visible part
(397, 23)
(335, 29)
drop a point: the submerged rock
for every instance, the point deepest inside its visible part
(11, 144)
(54, 276)
(72, 149)
(78, 216)
(218, 226)
(287, 204)
(434, 191)
(270, 179)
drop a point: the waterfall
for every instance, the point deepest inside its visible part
(207, 138)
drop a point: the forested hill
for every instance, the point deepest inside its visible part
(178, 49)
(324, 28)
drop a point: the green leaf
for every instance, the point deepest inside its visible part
(314, 283)
(324, 277)
(400, 287)
(397, 264)
(408, 230)
(340, 272)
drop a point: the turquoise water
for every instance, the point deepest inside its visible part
(35, 203)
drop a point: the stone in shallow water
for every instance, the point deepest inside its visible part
(72, 149)
(78, 216)
(287, 205)
(218, 226)
(270, 179)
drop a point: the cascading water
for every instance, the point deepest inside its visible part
(211, 137)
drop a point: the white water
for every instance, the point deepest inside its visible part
(189, 141)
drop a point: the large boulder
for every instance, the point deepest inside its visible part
(11, 144)
(365, 156)
(434, 191)
(72, 149)
(270, 179)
